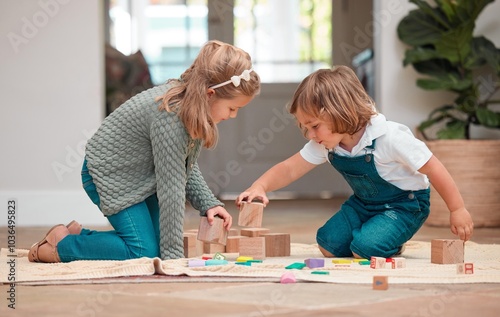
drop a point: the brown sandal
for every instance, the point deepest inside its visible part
(74, 227)
(49, 245)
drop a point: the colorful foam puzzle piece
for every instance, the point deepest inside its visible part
(215, 262)
(288, 278)
(244, 258)
(320, 272)
(314, 263)
(196, 263)
(296, 265)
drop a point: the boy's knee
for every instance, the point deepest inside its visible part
(325, 252)
(367, 249)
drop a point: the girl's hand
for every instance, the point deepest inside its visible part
(461, 223)
(222, 213)
(251, 193)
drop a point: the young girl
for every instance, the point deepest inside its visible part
(387, 168)
(141, 164)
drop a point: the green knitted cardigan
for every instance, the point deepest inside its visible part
(140, 150)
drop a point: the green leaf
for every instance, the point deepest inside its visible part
(484, 52)
(434, 13)
(469, 10)
(419, 54)
(455, 129)
(446, 82)
(488, 118)
(455, 45)
(417, 29)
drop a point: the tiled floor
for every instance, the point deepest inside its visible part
(301, 218)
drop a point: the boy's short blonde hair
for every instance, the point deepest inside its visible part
(336, 96)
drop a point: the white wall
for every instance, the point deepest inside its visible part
(52, 98)
(397, 95)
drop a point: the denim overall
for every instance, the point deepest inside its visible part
(379, 218)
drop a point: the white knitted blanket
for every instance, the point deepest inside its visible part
(486, 259)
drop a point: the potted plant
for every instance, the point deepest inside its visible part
(443, 47)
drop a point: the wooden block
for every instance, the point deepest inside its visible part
(233, 232)
(377, 262)
(251, 214)
(381, 282)
(190, 242)
(233, 243)
(254, 247)
(254, 232)
(465, 268)
(398, 263)
(446, 251)
(277, 244)
(213, 248)
(215, 233)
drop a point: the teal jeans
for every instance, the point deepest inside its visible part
(135, 234)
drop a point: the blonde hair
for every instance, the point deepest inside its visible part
(216, 62)
(336, 96)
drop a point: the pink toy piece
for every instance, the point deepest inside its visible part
(288, 278)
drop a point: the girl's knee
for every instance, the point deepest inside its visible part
(145, 253)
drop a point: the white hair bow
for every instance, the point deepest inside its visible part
(236, 80)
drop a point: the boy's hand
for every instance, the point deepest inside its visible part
(222, 213)
(461, 223)
(254, 192)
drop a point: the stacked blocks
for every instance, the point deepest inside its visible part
(253, 240)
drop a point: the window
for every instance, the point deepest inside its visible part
(287, 39)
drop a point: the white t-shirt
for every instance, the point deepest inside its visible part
(398, 154)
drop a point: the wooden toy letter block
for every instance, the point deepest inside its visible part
(277, 244)
(254, 247)
(465, 268)
(445, 251)
(398, 263)
(377, 262)
(214, 233)
(251, 214)
(380, 283)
